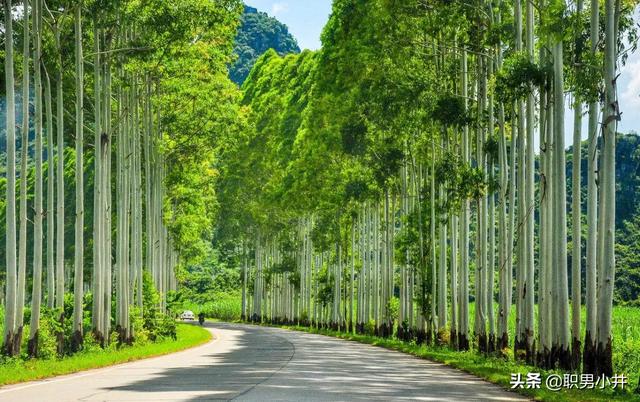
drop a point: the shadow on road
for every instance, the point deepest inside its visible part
(256, 363)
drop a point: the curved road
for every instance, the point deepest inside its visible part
(250, 363)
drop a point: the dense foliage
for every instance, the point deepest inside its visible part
(258, 33)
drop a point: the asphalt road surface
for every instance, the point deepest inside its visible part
(250, 363)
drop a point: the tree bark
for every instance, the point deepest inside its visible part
(78, 282)
(11, 278)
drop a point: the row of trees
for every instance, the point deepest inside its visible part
(400, 160)
(148, 63)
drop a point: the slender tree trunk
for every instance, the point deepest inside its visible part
(480, 324)
(463, 334)
(442, 254)
(60, 222)
(51, 278)
(529, 287)
(589, 363)
(433, 327)
(576, 237)
(353, 267)
(105, 143)
(576, 216)
(98, 222)
(561, 303)
(610, 116)
(11, 278)
(36, 294)
(78, 283)
(22, 246)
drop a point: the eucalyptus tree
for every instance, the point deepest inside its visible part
(10, 330)
(463, 293)
(610, 117)
(97, 281)
(78, 282)
(50, 236)
(576, 211)
(36, 294)
(589, 363)
(529, 198)
(561, 347)
(24, 156)
(60, 196)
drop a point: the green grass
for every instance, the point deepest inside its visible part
(17, 370)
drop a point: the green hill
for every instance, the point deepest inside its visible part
(257, 34)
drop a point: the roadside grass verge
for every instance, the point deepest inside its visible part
(18, 370)
(493, 369)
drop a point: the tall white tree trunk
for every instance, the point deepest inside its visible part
(51, 279)
(60, 222)
(22, 247)
(561, 302)
(36, 294)
(98, 230)
(78, 282)
(463, 335)
(529, 287)
(610, 116)
(11, 278)
(589, 364)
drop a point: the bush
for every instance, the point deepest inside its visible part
(158, 325)
(221, 306)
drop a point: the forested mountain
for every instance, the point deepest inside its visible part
(258, 33)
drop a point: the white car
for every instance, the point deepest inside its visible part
(187, 315)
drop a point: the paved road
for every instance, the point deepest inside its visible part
(249, 363)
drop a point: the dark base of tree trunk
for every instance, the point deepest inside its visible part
(503, 341)
(530, 348)
(17, 341)
(255, 318)
(32, 345)
(99, 337)
(463, 342)
(60, 336)
(123, 336)
(543, 359)
(243, 317)
(603, 359)
(589, 355)
(409, 334)
(76, 341)
(561, 356)
(385, 330)
(482, 343)
(8, 345)
(453, 339)
(519, 348)
(576, 346)
(491, 344)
